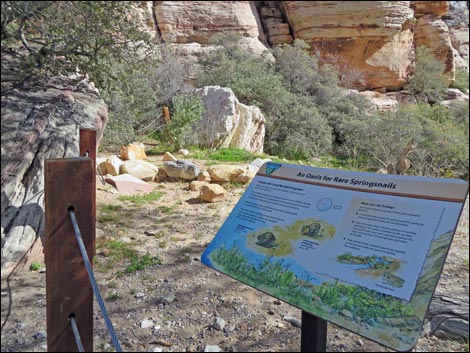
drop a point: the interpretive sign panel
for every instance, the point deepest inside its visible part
(361, 250)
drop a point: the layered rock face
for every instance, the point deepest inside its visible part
(196, 21)
(460, 43)
(437, 8)
(188, 26)
(372, 37)
(39, 121)
(432, 32)
(371, 42)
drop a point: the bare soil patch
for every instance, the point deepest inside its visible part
(181, 298)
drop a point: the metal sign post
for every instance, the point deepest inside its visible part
(313, 334)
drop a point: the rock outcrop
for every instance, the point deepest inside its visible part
(372, 43)
(229, 123)
(373, 37)
(432, 32)
(197, 21)
(437, 8)
(460, 43)
(39, 121)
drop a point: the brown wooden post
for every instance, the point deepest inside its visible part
(88, 148)
(88, 143)
(68, 182)
(166, 115)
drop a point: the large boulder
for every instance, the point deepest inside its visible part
(181, 169)
(229, 123)
(40, 120)
(140, 169)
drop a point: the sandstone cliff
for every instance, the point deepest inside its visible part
(373, 38)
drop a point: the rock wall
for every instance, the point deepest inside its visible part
(371, 41)
(437, 8)
(373, 37)
(39, 121)
(197, 21)
(460, 45)
(432, 32)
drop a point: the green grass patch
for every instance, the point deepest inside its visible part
(139, 264)
(142, 199)
(111, 208)
(230, 154)
(122, 259)
(35, 266)
(165, 209)
(112, 297)
(111, 214)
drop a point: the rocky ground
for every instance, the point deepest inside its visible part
(179, 304)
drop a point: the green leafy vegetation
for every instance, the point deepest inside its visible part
(121, 254)
(139, 264)
(187, 110)
(461, 79)
(428, 77)
(35, 266)
(231, 154)
(441, 135)
(142, 199)
(276, 277)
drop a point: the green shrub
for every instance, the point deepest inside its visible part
(428, 78)
(132, 103)
(461, 79)
(298, 131)
(442, 149)
(35, 266)
(187, 110)
(294, 128)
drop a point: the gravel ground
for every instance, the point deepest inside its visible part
(182, 305)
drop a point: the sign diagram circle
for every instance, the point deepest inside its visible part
(324, 204)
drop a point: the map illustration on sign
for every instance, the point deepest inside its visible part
(361, 250)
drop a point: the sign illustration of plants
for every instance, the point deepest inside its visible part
(361, 250)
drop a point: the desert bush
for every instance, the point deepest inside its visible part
(298, 69)
(461, 79)
(168, 76)
(442, 140)
(187, 110)
(298, 130)
(428, 78)
(61, 36)
(132, 103)
(294, 127)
